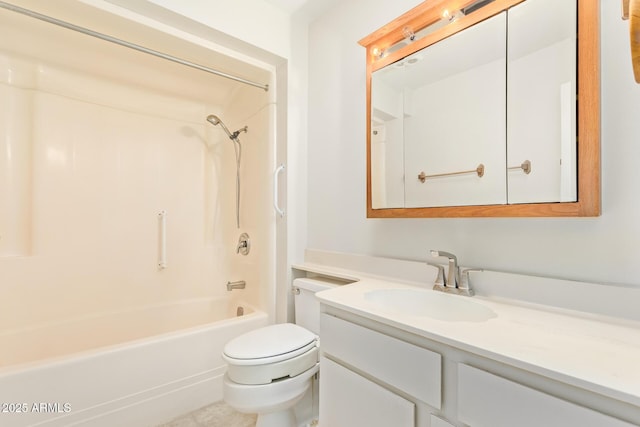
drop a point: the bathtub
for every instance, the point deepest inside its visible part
(127, 368)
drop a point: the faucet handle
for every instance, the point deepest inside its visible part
(453, 273)
(440, 278)
(244, 244)
(464, 276)
(448, 255)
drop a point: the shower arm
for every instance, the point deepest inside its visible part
(215, 120)
(236, 133)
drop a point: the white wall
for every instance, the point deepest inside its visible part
(600, 249)
(255, 22)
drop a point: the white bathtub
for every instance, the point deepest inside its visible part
(133, 368)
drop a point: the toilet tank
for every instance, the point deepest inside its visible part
(307, 307)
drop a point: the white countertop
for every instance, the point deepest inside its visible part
(589, 352)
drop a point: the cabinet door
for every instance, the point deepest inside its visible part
(439, 422)
(414, 370)
(541, 101)
(486, 400)
(348, 399)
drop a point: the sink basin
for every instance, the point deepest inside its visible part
(428, 303)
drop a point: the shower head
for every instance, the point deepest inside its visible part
(215, 120)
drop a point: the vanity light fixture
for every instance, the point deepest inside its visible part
(451, 16)
(408, 34)
(377, 52)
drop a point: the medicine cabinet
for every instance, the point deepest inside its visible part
(485, 108)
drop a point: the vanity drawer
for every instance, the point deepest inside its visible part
(407, 367)
(439, 422)
(348, 399)
(487, 400)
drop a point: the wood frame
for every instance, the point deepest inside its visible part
(588, 117)
(633, 13)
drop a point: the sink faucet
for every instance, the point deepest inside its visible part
(455, 281)
(453, 273)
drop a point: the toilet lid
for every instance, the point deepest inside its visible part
(270, 341)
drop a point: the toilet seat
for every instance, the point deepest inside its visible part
(271, 353)
(270, 344)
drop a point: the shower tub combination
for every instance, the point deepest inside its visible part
(139, 367)
(93, 329)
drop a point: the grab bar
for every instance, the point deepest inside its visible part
(162, 240)
(479, 171)
(276, 174)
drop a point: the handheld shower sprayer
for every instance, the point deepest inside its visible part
(215, 120)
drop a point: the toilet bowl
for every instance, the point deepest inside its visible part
(272, 402)
(271, 369)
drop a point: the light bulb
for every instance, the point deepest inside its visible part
(451, 16)
(408, 34)
(377, 52)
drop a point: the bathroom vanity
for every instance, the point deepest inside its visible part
(398, 353)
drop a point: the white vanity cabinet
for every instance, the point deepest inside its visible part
(487, 400)
(439, 422)
(372, 379)
(348, 399)
(371, 375)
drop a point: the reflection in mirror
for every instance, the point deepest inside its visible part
(444, 109)
(541, 101)
(469, 117)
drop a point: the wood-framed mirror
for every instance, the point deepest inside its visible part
(503, 120)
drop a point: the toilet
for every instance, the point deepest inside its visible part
(270, 369)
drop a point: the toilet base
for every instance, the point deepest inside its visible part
(284, 418)
(274, 403)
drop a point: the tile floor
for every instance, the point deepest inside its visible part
(215, 415)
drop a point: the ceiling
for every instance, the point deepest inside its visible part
(289, 6)
(311, 9)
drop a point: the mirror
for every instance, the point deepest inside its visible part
(478, 113)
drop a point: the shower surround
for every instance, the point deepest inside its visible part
(95, 141)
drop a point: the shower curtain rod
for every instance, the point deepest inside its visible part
(127, 44)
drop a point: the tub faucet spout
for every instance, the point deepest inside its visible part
(240, 284)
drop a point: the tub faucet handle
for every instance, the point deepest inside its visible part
(244, 244)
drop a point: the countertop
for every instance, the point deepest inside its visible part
(590, 352)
